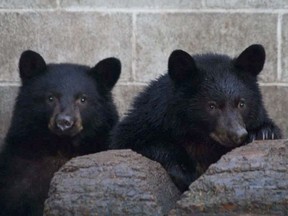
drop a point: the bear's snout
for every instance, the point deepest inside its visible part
(230, 138)
(239, 135)
(64, 122)
(230, 130)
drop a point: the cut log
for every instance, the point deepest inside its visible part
(250, 180)
(118, 182)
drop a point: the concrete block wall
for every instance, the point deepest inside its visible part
(142, 34)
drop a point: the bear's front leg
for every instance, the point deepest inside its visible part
(177, 163)
(181, 177)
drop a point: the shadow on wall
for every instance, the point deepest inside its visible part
(7, 100)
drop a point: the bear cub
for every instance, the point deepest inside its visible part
(205, 106)
(61, 111)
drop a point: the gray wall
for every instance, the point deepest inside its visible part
(142, 34)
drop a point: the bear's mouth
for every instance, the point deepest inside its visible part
(69, 132)
(224, 140)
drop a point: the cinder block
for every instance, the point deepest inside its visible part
(77, 37)
(33, 4)
(228, 33)
(276, 101)
(124, 95)
(7, 99)
(236, 4)
(285, 48)
(142, 4)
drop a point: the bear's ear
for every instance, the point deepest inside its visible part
(107, 72)
(181, 66)
(31, 64)
(252, 59)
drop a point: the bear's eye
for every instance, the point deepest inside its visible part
(51, 98)
(212, 105)
(83, 99)
(241, 104)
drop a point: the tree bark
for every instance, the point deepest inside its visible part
(118, 182)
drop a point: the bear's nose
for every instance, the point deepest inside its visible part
(64, 122)
(239, 135)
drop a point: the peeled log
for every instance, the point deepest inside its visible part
(250, 180)
(118, 182)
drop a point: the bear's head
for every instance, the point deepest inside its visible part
(66, 98)
(218, 97)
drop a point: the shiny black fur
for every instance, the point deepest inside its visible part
(205, 106)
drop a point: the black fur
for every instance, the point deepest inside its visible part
(62, 111)
(205, 106)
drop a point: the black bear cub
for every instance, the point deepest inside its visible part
(205, 106)
(62, 111)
